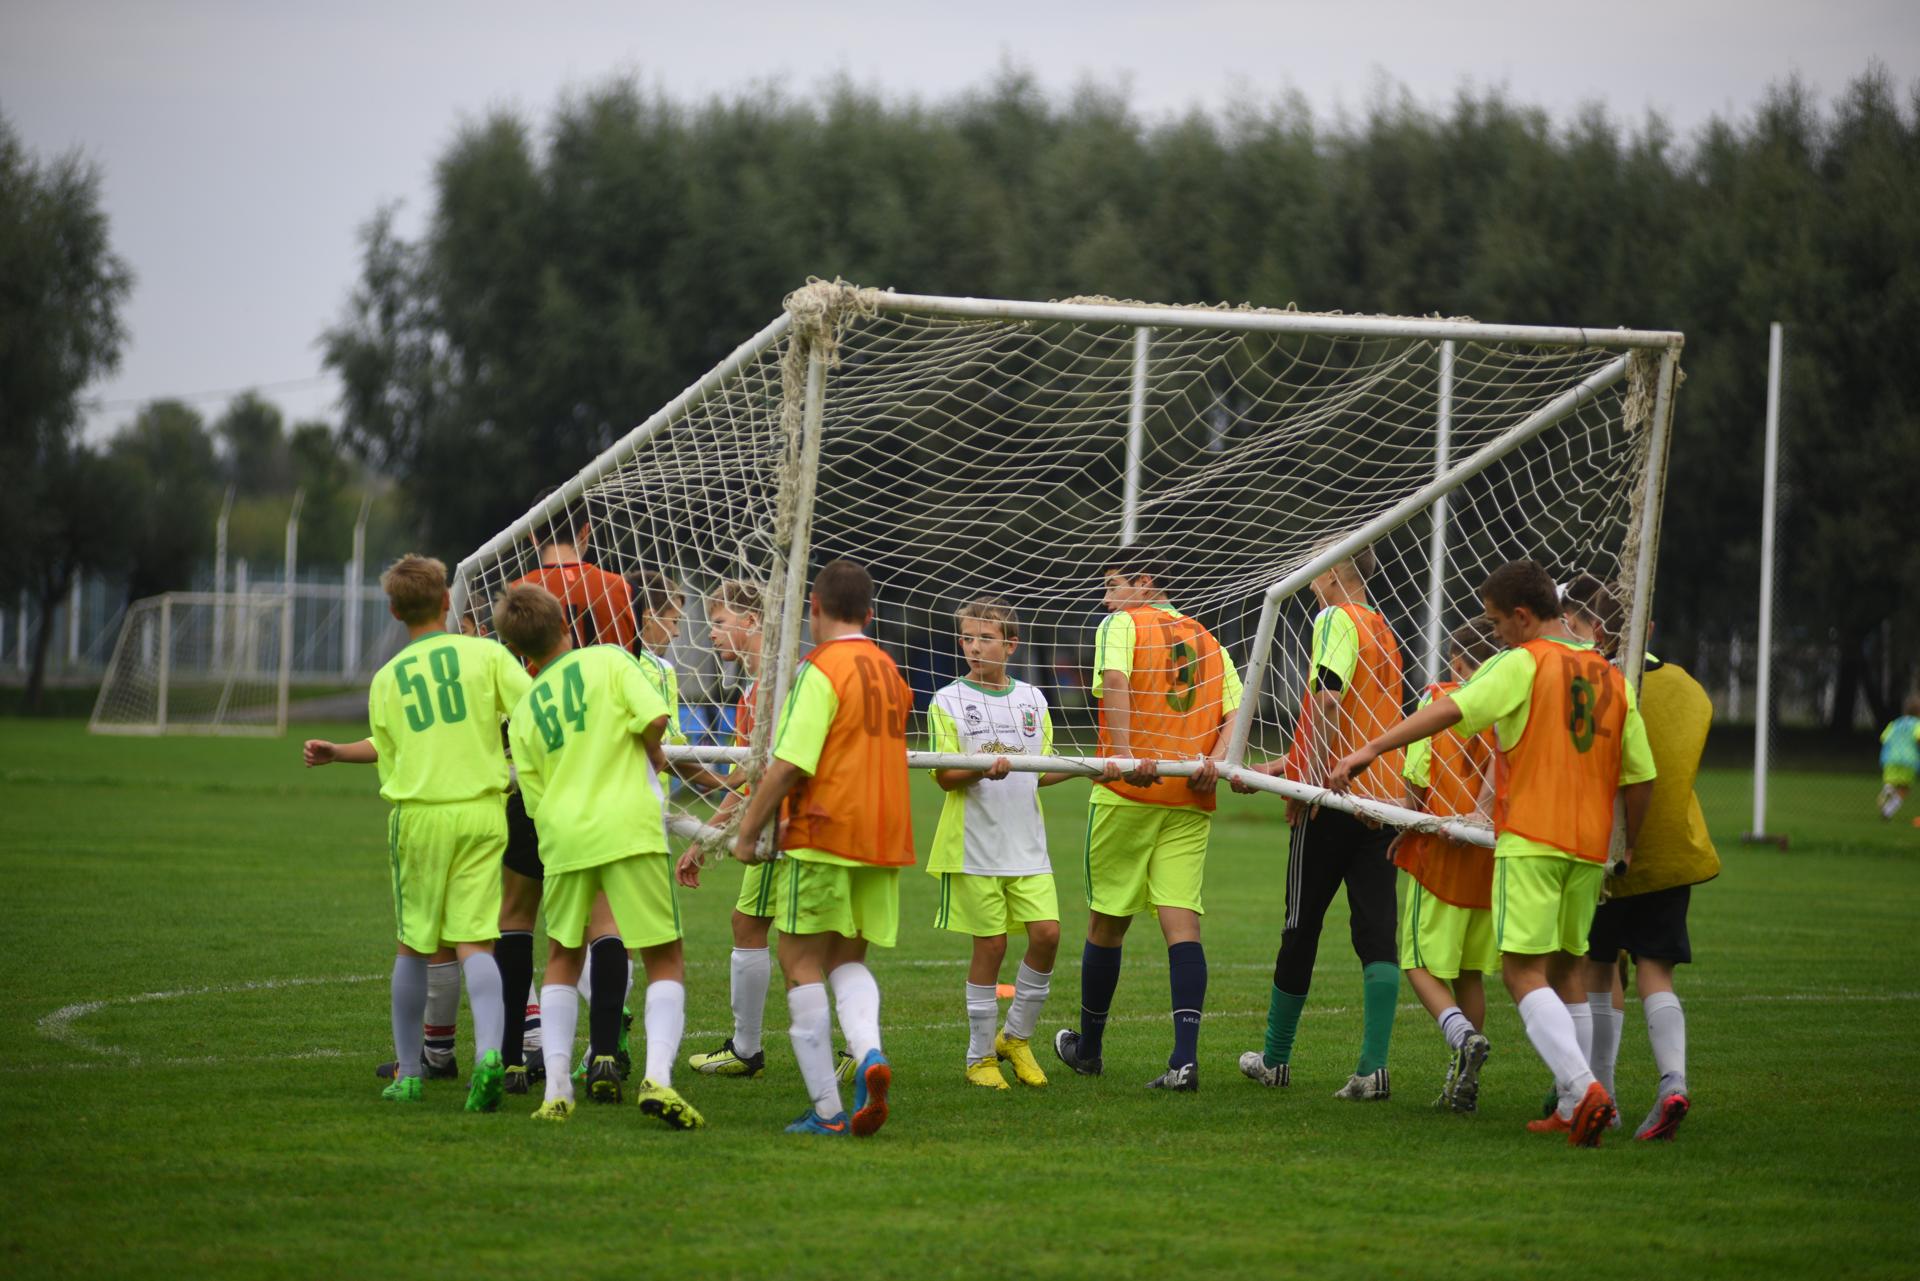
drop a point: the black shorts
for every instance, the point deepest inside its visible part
(1647, 926)
(523, 843)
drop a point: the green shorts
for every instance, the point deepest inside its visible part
(834, 898)
(1138, 855)
(1441, 938)
(1897, 775)
(756, 891)
(1544, 904)
(445, 861)
(639, 889)
(984, 906)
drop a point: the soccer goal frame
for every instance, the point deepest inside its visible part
(806, 338)
(139, 694)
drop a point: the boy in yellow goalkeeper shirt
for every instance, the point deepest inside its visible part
(435, 711)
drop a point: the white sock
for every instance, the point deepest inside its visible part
(666, 1020)
(983, 1012)
(1667, 1029)
(812, 1034)
(1607, 1023)
(856, 999)
(585, 986)
(1583, 1029)
(560, 1015)
(1455, 1026)
(628, 998)
(752, 973)
(1030, 988)
(483, 998)
(1549, 1026)
(443, 1010)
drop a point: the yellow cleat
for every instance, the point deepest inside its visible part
(665, 1104)
(554, 1110)
(1017, 1051)
(986, 1072)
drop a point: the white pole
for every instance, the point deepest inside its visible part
(286, 608)
(356, 574)
(1769, 483)
(1136, 438)
(73, 620)
(20, 650)
(166, 659)
(799, 546)
(1437, 551)
(220, 620)
(245, 645)
(1652, 499)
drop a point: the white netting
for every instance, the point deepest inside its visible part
(197, 663)
(960, 456)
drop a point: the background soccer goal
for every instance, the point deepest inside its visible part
(961, 447)
(199, 663)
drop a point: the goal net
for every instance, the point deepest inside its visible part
(962, 448)
(198, 663)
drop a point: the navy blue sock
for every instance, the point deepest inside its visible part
(1099, 975)
(1187, 975)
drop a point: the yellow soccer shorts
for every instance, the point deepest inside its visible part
(858, 902)
(984, 906)
(1141, 855)
(639, 889)
(1542, 903)
(1441, 938)
(445, 865)
(756, 890)
(1897, 775)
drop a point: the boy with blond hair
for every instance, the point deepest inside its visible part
(1571, 741)
(1446, 919)
(435, 710)
(990, 852)
(586, 742)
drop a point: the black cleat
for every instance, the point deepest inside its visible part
(603, 1080)
(1066, 1044)
(450, 1071)
(516, 1082)
(1184, 1079)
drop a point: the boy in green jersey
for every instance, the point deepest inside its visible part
(586, 743)
(435, 711)
(1899, 758)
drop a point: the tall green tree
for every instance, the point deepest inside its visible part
(61, 289)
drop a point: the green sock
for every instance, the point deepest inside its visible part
(1381, 986)
(1283, 1020)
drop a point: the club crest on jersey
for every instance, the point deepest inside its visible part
(975, 718)
(1028, 721)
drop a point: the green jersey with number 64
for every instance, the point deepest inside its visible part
(435, 711)
(584, 774)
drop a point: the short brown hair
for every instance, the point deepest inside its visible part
(1473, 641)
(653, 591)
(990, 609)
(1913, 705)
(1136, 561)
(1522, 582)
(1363, 563)
(568, 525)
(529, 620)
(417, 587)
(738, 595)
(844, 591)
(1595, 602)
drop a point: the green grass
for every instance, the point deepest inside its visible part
(196, 937)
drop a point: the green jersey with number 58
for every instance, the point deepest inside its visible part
(584, 773)
(435, 710)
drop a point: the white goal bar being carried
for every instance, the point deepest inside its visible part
(963, 447)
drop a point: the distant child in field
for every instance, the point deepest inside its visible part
(435, 710)
(990, 852)
(586, 742)
(1447, 940)
(1899, 757)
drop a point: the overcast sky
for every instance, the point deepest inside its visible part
(244, 143)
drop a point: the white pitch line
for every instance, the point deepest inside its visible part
(58, 1026)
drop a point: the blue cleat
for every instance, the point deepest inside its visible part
(813, 1123)
(870, 1085)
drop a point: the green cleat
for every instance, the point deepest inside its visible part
(728, 1061)
(665, 1104)
(623, 1049)
(405, 1089)
(554, 1110)
(489, 1083)
(843, 1067)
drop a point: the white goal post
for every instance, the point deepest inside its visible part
(217, 663)
(962, 447)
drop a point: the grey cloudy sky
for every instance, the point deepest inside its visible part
(243, 143)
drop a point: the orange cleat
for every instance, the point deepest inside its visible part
(1590, 1119)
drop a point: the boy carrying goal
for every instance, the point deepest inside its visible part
(435, 711)
(990, 852)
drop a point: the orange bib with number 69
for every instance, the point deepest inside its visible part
(1557, 784)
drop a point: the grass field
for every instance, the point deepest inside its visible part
(196, 942)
